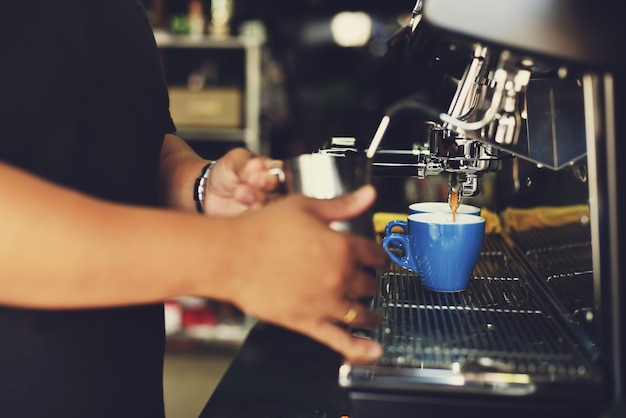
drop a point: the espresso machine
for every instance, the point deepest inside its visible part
(515, 85)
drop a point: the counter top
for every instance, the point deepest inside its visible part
(278, 373)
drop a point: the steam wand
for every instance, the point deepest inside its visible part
(378, 136)
(411, 103)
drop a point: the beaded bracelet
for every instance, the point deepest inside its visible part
(200, 188)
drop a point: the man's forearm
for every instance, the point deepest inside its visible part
(61, 249)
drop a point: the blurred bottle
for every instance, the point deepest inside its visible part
(221, 15)
(196, 18)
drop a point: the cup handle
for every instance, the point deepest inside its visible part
(400, 241)
(396, 222)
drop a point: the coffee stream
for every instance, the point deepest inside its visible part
(453, 201)
(454, 197)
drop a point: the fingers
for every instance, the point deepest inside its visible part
(367, 257)
(343, 207)
(258, 173)
(248, 168)
(237, 159)
(362, 284)
(249, 196)
(354, 349)
(257, 184)
(357, 315)
(368, 253)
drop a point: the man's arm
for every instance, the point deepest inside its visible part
(60, 249)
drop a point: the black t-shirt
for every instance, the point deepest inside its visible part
(83, 103)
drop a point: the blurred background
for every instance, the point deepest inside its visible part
(314, 87)
(326, 70)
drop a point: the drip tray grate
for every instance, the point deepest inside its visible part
(498, 323)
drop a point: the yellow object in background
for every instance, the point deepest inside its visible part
(523, 219)
(511, 219)
(493, 224)
(381, 219)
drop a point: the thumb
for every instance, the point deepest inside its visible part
(343, 207)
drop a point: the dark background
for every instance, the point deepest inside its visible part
(323, 90)
(314, 90)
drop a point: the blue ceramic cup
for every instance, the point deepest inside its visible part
(443, 252)
(431, 207)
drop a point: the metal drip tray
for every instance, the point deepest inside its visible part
(562, 259)
(487, 321)
(499, 335)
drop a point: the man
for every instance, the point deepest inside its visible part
(99, 222)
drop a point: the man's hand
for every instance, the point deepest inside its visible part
(239, 182)
(294, 271)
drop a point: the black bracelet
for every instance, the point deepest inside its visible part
(200, 188)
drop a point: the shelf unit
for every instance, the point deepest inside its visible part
(195, 323)
(251, 46)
